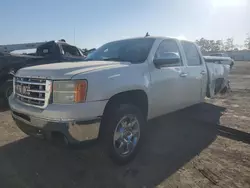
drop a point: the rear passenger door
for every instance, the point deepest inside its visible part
(196, 73)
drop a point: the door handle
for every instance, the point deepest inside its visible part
(183, 74)
(203, 72)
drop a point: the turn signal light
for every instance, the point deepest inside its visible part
(81, 88)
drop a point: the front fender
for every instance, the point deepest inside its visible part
(102, 85)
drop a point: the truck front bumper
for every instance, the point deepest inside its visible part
(75, 126)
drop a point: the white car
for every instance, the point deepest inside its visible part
(114, 92)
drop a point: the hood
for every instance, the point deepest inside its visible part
(68, 70)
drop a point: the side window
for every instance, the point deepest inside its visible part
(193, 57)
(70, 50)
(166, 46)
(46, 49)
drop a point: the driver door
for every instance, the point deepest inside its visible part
(166, 89)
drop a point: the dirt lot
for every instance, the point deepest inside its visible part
(203, 146)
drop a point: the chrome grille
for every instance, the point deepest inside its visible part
(32, 91)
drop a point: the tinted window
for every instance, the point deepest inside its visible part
(70, 50)
(165, 47)
(131, 50)
(46, 49)
(193, 57)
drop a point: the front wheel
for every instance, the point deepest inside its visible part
(123, 133)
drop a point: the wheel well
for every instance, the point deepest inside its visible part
(218, 83)
(136, 97)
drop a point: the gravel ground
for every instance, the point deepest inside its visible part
(202, 146)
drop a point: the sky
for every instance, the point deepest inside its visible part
(91, 23)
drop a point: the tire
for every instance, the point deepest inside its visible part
(7, 89)
(226, 89)
(231, 65)
(211, 90)
(123, 132)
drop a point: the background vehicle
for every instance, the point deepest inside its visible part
(87, 52)
(114, 92)
(48, 52)
(228, 60)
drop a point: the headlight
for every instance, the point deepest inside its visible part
(68, 92)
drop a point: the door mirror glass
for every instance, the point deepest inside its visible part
(167, 59)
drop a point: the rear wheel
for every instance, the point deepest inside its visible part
(211, 90)
(231, 65)
(226, 89)
(122, 132)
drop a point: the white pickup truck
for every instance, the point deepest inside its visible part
(114, 92)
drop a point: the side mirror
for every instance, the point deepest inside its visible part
(169, 58)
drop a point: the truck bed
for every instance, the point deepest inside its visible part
(217, 72)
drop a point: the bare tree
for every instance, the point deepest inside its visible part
(204, 44)
(229, 44)
(210, 45)
(220, 45)
(247, 42)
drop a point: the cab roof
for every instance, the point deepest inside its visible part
(156, 37)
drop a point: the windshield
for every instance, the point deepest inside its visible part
(131, 50)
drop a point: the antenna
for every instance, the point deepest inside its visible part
(147, 35)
